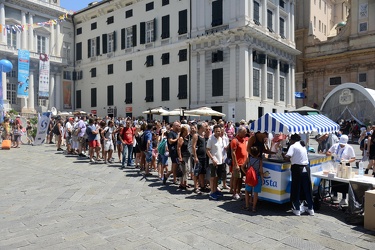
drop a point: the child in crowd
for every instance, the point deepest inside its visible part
(254, 160)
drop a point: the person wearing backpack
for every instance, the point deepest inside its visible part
(57, 131)
(127, 135)
(163, 154)
(173, 136)
(254, 161)
(146, 146)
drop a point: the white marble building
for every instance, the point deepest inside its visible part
(55, 40)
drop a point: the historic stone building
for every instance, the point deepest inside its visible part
(345, 54)
(40, 27)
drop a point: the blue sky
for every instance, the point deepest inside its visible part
(75, 4)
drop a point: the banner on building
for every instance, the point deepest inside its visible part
(43, 123)
(23, 73)
(67, 94)
(44, 69)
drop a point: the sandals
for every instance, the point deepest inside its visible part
(245, 208)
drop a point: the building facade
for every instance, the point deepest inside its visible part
(41, 28)
(235, 56)
(345, 56)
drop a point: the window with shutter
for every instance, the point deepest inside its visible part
(129, 37)
(110, 95)
(217, 82)
(105, 42)
(256, 82)
(165, 27)
(165, 89)
(93, 97)
(110, 69)
(123, 34)
(182, 87)
(110, 19)
(269, 20)
(149, 31)
(142, 39)
(98, 45)
(93, 72)
(269, 86)
(129, 65)
(149, 6)
(79, 51)
(149, 91)
(182, 55)
(94, 26)
(217, 13)
(79, 31)
(149, 61)
(78, 99)
(282, 28)
(165, 58)
(134, 35)
(128, 13)
(256, 13)
(182, 22)
(129, 93)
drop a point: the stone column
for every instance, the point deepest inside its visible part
(194, 17)
(292, 22)
(4, 80)
(244, 71)
(264, 14)
(194, 78)
(277, 20)
(3, 37)
(202, 78)
(51, 91)
(232, 73)
(288, 84)
(58, 92)
(23, 33)
(293, 86)
(31, 33)
(277, 84)
(202, 15)
(263, 78)
(251, 10)
(58, 41)
(51, 41)
(233, 12)
(288, 26)
(31, 92)
(251, 92)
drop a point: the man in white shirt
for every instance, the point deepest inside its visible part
(301, 180)
(341, 151)
(214, 149)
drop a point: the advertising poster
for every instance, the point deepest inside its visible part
(23, 73)
(44, 68)
(1, 99)
(43, 122)
(67, 94)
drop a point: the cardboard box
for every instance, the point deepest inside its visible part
(370, 210)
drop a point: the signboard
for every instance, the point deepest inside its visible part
(93, 112)
(129, 110)
(23, 73)
(44, 69)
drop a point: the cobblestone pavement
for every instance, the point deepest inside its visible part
(52, 201)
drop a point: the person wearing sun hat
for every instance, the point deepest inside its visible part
(341, 151)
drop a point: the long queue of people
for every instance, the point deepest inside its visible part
(196, 156)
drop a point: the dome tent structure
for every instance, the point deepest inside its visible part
(350, 101)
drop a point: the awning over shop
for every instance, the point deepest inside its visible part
(323, 124)
(286, 123)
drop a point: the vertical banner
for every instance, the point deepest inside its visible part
(44, 69)
(23, 73)
(67, 94)
(1, 98)
(43, 123)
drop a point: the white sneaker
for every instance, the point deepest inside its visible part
(343, 203)
(236, 197)
(302, 209)
(311, 212)
(296, 212)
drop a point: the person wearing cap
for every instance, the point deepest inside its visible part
(341, 151)
(301, 179)
(371, 151)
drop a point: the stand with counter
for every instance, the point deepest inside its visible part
(277, 175)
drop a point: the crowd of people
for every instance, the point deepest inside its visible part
(193, 155)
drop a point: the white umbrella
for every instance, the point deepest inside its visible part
(155, 111)
(178, 112)
(204, 111)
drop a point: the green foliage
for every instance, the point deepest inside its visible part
(12, 112)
